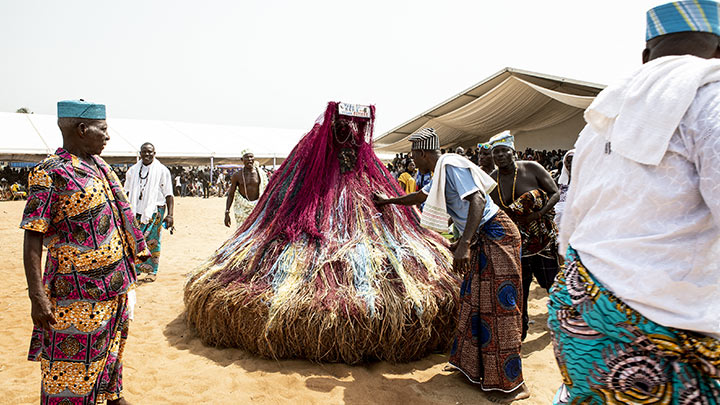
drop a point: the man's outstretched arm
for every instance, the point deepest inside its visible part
(415, 198)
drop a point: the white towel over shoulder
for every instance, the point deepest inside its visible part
(434, 215)
(154, 191)
(639, 114)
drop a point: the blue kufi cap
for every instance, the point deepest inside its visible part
(80, 109)
(683, 16)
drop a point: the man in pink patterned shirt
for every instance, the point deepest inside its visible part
(77, 208)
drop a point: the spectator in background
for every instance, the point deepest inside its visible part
(149, 188)
(485, 158)
(246, 187)
(18, 191)
(563, 185)
(5, 193)
(407, 178)
(178, 185)
(204, 176)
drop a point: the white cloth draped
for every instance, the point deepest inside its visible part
(639, 114)
(651, 233)
(434, 215)
(565, 173)
(154, 188)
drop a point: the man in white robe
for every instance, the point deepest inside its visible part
(148, 184)
(635, 313)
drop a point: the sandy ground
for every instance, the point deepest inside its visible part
(166, 363)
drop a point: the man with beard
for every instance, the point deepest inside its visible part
(149, 187)
(527, 193)
(635, 312)
(78, 210)
(246, 187)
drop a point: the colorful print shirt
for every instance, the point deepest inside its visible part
(91, 235)
(537, 235)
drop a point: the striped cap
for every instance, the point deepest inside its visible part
(683, 16)
(425, 139)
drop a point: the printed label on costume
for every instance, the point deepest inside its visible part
(354, 110)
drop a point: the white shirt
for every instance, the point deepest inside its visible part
(138, 181)
(651, 234)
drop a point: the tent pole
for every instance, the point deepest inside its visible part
(273, 161)
(212, 165)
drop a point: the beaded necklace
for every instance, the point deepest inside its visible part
(143, 184)
(513, 188)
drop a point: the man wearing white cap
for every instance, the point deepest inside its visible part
(635, 313)
(527, 193)
(487, 343)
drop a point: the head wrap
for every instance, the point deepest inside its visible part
(425, 139)
(565, 173)
(683, 16)
(503, 139)
(80, 109)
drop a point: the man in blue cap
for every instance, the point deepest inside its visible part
(77, 208)
(635, 313)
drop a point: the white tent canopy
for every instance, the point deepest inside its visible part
(542, 112)
(31, 137)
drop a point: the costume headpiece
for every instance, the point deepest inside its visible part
(683, 16)
(425, 139)
(503, 139)
(80, 109)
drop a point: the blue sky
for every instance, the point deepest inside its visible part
(276, 63)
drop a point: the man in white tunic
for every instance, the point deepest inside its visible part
(148, 184)
(635, 313)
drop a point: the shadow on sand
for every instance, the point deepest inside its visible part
(420, 382)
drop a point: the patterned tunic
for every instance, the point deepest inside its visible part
(92, 242)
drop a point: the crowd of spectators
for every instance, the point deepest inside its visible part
(13, 182)
(197, 181)
(551, 160)
(14, 175)
(187, 181)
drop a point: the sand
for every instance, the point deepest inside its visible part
(166, 363)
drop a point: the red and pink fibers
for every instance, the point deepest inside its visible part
(319, 272)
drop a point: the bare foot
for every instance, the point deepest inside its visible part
(521, 392)
(119, 401)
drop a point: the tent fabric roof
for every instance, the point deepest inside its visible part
(30, 137)
(511, 99)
